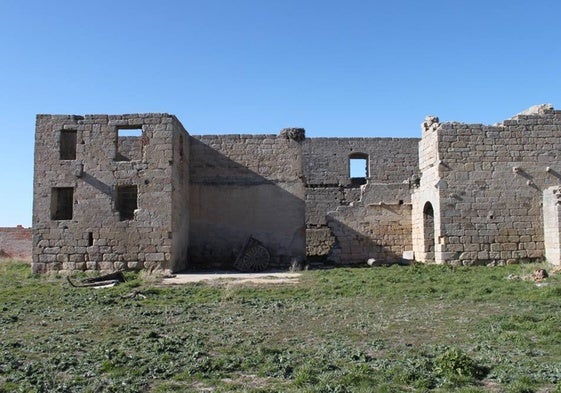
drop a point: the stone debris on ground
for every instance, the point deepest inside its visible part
(538, 276)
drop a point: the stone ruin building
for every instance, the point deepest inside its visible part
(115, 192)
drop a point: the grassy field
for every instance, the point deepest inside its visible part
(396, 329)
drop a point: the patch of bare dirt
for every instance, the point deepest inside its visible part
(234, 278)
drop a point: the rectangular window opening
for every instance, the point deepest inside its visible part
(90, 239)
(62, 202)
(358, 170)
(129, 143)
(135, 132)
(126, 203)
(68, 140)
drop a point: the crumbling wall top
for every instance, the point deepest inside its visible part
(541, 109)
(296, 134)
(430, 124)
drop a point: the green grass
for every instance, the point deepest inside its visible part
(396, 329)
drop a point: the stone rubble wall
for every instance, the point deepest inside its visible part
(95, 238)
(241, 186)
(15, 243)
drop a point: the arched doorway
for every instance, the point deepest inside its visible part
(428, 230)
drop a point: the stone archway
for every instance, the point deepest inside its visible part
(428, 231)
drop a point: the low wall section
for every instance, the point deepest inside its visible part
(15, 243)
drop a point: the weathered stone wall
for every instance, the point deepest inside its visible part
(424, 229)
(380, 230)
(166, 200)
(490, 183)
(180, 196)
(330, 192)
(244, 185)
(15, 243)
(95, 236)
(552, 228)
(391, 160)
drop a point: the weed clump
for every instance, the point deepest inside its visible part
(455, 366)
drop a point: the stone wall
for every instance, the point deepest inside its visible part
(363, 230)
(551, 221)
(86, 214)
(425, 229)
(15, 243)
(162, 199)
(391, 160)
(487, 184)
(180, 218)
(241, 186)
(331, 195)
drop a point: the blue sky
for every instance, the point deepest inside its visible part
(336, 68)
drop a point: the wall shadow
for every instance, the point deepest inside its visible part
(98, 184)
(229, 203)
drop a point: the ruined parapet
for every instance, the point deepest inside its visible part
(430, 124)
(536, 110)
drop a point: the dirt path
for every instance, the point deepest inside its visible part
(235, 277)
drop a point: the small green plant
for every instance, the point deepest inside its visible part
(454, 365)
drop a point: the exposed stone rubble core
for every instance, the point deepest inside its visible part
(165, 200)
(297, 134)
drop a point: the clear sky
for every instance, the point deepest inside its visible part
(337, 68)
